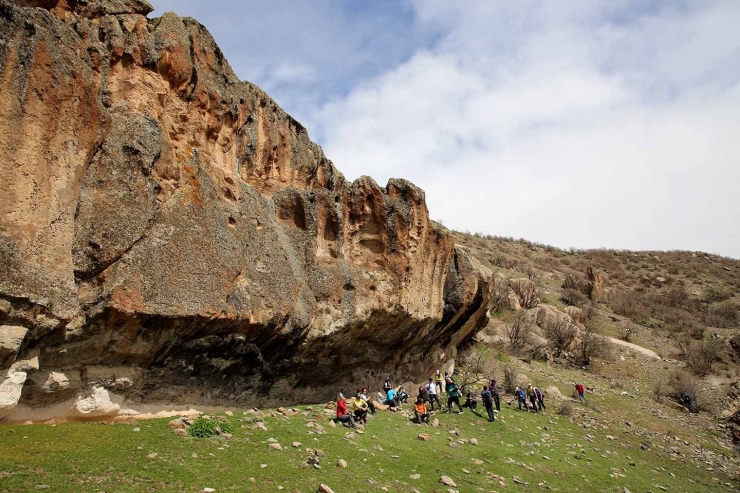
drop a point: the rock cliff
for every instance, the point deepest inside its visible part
(169, 234)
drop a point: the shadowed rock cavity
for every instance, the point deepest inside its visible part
(169, 235)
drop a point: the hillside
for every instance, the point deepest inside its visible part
(683, 307)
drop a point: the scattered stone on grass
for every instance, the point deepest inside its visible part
(447, 481)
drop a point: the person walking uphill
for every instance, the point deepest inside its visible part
(581, 392)
(453, 395)
(540, 398)
(521, 399)
(496, 395)
(433, 396)
(487, 399)
(532, 397)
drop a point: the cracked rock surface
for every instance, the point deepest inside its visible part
(168, 234)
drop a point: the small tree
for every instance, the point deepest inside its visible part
(560, 333)
(472, 366)
(701, 356)
(527, 292)
(518, 332)
(592, 345)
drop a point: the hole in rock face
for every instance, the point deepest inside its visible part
(373, 288)
(292, 213)
(232, 222)
(374, 246)
(349, 287)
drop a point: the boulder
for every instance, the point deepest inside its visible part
(97, 402)
(553, 392)
(10, 391)
(11, 338)
(227, 243)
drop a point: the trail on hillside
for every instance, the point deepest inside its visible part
(639, 349)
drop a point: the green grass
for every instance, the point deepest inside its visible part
(115, 458)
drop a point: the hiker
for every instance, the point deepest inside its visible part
(423, 394)
(402, 395)
(453, 395)
(343, 416)
(370, 404)
(581, 392)
(487, 398)
(438, 380)
(521, 399)
(433, 396)
(687, 401)
(471, 401)
(392, 400)
(495, 393)
(532, 397)
(420, 411)
(387, 385)
(361, 409)
(540, 398)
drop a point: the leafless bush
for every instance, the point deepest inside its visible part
(510, 379)
(572, 297)
(566, 410)
(473, 365)
(500, 298)
(681, 382)
(715, 294)
(683, 342)
(560, 333)
(658, 390)
(532, 273)
(527, 292)
(725, 314)
(701, 356)
(572, 281)
(518, 331)
(630, 305)
(592, 345)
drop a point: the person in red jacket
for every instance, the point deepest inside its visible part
(581, 392)
(343, 416)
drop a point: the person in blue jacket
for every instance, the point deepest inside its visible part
(521, 399)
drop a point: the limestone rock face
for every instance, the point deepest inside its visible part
(164, 219)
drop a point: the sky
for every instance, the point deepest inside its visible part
(575, 123)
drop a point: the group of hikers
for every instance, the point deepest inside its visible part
(531, 398)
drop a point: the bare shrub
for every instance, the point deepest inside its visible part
(658, 390)
(592, 345)
(572, 281)
(532, 273)
(572, 297)
(527, 292)
(560, 334)
(500, 298)
(683, 342)
(518, 331)
(473, 365)
(630, 305)
(680, 382)
(701, 356)
(725, 314)
(715, 294)
(511, 375)
(566, 409)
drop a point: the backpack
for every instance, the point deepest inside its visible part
(487, 399)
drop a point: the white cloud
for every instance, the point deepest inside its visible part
(599, 123)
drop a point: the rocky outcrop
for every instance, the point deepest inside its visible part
(163, 220)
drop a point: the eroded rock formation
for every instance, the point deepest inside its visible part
(169, 234)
